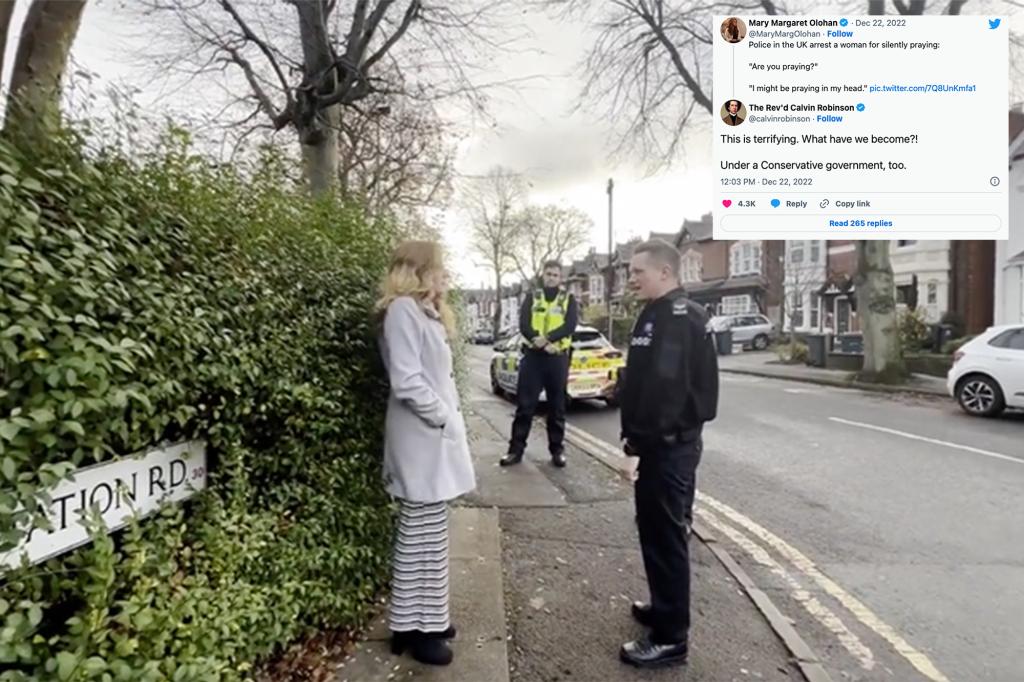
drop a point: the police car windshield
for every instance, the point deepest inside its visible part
(589, 339)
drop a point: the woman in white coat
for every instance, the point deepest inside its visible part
(426, 454)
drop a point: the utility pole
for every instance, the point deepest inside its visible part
(611, 267)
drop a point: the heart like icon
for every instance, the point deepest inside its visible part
(727, 202)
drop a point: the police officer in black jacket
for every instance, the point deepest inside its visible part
(669, 390)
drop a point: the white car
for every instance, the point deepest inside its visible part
(987, 375)
(753, 331)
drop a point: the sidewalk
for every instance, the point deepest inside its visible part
(766, 364)
(545, 565)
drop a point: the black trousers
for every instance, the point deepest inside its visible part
(664, 489)
(536, 372)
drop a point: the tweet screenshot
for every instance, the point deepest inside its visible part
(860, 127)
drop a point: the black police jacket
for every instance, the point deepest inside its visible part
(670, 387)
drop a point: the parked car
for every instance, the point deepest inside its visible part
(593, 369)
(483, 336)
(754, 331)
(987, 375)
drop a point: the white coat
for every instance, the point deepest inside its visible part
(426, 453)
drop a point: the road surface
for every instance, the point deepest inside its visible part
(890, 529)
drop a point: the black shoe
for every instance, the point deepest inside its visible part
(558, 459)
(643, 614)
(643, 653)
(510, 459)
(422, 647)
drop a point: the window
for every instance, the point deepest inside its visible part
(815, 310)
(796, 252)
(745, 259)
(596, 288)
(735, 305)
(1012, 339)
(815, 251)
(693, 267)
(933, 293)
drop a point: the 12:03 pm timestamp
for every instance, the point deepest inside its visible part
(768, 182)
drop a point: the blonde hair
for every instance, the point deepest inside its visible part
(412, 264)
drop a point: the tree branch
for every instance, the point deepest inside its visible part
(264, 48)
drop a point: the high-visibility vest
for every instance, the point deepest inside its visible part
(547, 317)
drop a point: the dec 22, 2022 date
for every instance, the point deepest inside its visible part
(768, 182)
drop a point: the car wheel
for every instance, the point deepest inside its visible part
(980, 396)
(611, 402)
(760, 342)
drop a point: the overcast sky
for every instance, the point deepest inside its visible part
(565, 155)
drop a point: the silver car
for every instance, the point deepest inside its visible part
(753, 330)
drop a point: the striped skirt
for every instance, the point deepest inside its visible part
(419, 583)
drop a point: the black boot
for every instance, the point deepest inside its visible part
(510, 459)
(558, 459)
(422, 647)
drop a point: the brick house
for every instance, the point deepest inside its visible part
(731, 277)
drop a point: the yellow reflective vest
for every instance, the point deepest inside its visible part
(547, 317)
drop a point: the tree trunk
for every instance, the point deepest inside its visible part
(39, 64)
(320, 153)
(6, 10)
(876, 299)
(497, 304)
(876, 304)
(318, 127)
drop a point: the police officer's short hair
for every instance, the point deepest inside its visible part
(553, 264)
(662, 253)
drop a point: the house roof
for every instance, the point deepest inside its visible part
(726, 285)
(669, 237)
(697, 230)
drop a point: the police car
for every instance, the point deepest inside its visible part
(593, 370)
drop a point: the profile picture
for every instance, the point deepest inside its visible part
(734, 30)
(734, 112)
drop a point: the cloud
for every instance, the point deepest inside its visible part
(552, 156)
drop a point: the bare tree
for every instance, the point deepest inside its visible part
(492, 204)
(547, 233)
(301, 70)
(396, 159)
(40, 61)
(651, 65)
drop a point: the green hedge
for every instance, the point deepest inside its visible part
(931, 364)
(162, 298)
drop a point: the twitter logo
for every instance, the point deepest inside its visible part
(994, 23)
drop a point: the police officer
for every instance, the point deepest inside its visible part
(669, 390)
(547, 321)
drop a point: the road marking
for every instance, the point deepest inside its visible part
(829, 620)
(854, 605)
(917, 659)
(933, 441)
